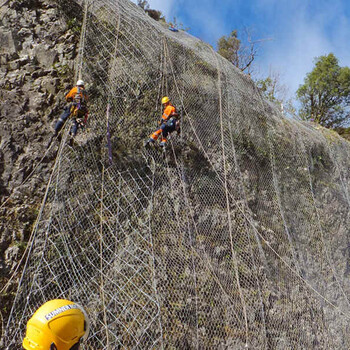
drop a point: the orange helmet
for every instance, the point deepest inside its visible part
(57, 325)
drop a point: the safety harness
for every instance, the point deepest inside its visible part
(79, 108)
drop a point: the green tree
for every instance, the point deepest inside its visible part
(229, 46)
(143, 4)
(155, 14)
(325, 94)
(274, 91)
(240, 52)
(269, 87)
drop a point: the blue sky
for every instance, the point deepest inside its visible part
(300, 30)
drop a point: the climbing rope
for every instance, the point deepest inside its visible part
(79, 59)
(293, 270)
(204, 246)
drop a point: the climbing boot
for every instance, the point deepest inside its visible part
(149, 142)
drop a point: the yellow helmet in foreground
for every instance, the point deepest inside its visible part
(57, 325)
(165, 99)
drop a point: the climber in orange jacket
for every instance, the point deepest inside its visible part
(168, 123)
(77, 99)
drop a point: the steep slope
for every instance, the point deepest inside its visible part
(237, 238)
(37, 49)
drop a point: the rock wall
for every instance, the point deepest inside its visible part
(37, 49)
(236, 238)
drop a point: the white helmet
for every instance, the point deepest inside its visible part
(80, 83)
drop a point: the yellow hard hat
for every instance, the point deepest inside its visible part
(165, 99)
(58, 324)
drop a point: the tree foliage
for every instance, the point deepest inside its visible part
(241, 53)
(274, 91)
(269, 87)
(229, 46)
(325, 94)
(155, 14)
(143, 4)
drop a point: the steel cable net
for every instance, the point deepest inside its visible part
(236, 238)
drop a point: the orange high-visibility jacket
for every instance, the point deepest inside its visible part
(71, 94)
(168, 112)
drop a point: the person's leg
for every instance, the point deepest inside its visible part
(64, 116)
(74, 128)
(155, 135)
(165, 132)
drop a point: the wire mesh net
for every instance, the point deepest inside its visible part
(234, 237)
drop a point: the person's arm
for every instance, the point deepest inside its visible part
(173, 113)
(86, 96)
(71, 94)
(168, 112)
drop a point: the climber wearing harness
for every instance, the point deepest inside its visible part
(57, 325)
(77, 100)
(172, 28)
(168, 123)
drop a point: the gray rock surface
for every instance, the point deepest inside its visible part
(36, 52)
(289, 215)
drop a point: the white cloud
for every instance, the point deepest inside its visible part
(294, 57)
(303, 33)
(302, 30)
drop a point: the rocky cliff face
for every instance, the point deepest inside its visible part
(37, 49)
(238, 237)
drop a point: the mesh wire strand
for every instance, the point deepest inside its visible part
(234, 239)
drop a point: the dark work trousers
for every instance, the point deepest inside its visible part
(74, 128)
(64, 116)
(167, 128)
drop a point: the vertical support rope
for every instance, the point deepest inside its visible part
(109, 144)
(34, 232)
(278, 196)
(114, 57)
(101, 259)
(192, 246)
(247, 218)
(164, 70)
(191, 263)
(153, 260)
(319, 225)
(234, 256)
(79, 66)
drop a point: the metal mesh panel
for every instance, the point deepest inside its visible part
(236, 238)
